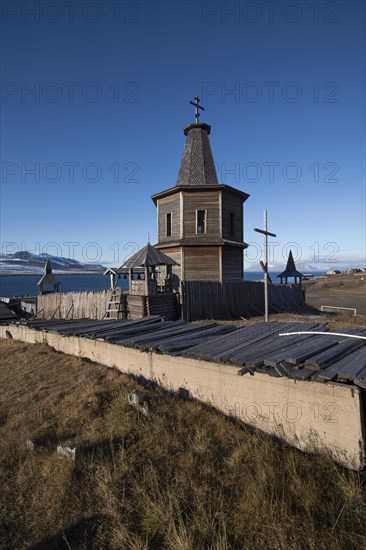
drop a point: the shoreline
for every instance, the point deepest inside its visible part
(54, 271)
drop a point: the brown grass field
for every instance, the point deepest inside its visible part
(185, 477)
(338, 290)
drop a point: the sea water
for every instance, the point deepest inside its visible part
(26, 285)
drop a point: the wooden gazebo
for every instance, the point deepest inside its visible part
(116, 273)
(150, 258)
(291, 271)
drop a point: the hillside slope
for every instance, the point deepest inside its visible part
(27, 263)
(184, 477)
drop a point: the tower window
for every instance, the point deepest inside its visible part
(232, 222)
(169, 224)
(201, 221)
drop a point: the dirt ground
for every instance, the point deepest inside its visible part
(347, 291)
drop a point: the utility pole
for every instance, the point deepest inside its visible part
(265, 265)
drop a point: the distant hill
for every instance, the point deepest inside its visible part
(28, 263)
(308, 267)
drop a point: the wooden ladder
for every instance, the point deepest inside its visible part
(114, 308)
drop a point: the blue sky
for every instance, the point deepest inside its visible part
(95, 96)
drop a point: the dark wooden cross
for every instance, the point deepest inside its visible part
(196, 104)
(264, 265)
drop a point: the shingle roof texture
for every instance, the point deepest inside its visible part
(149, 256)
(197, 166)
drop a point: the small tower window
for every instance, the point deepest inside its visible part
(232, 222)
(169, 224)
(201, 221)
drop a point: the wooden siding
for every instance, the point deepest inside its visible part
(176, 254)
(166, 205)
(201, 263)
(166, 305)
(232, 264)
(136, 307)
(232, 203)
(202, 200)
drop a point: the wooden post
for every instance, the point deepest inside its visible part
(266, 264)
(130, 279)
(146, 280)
(265, 233)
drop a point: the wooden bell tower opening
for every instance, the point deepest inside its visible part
(157, 272)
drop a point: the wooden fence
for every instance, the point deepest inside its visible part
(200, 300)
(286, 298)
(214, 300)
(73, 305)
(93, 305)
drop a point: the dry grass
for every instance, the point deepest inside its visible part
(354, 282)
(183, 478)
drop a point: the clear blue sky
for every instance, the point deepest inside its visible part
(283, 86)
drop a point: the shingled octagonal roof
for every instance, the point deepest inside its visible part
(149, 256)
(197, 166)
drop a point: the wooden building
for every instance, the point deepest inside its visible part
(200, 221)
(48, 280)
(150, 259)
(150, 293)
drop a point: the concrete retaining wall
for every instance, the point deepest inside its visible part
(310, 416)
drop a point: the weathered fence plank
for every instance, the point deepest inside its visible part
(73, 305)
(214, 300)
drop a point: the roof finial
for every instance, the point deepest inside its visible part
(196, 104)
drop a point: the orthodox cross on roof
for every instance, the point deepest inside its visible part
(198, 106)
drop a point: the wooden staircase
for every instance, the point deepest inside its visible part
(116, 306)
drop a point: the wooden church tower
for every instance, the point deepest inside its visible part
(200, 221)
